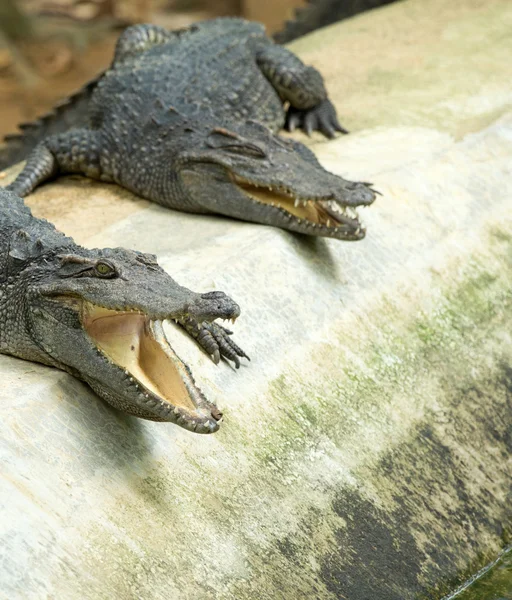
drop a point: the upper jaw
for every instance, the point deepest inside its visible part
(200, 307)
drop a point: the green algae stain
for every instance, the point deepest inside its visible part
(387, 364)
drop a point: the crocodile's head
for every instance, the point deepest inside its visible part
(99, 314)
(247, 172)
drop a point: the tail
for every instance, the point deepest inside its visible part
(72, 112)
(320, 13)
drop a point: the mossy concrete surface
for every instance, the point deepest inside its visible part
(366, 448)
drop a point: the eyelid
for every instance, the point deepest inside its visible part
(245, 149)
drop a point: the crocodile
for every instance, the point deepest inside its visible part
(190, 118)
(99, 314)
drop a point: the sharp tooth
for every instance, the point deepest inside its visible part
(296, 203)
(328, 222)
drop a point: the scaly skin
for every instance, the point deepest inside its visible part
(98, 315)
(189, 119)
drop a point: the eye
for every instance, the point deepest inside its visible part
(104, 269)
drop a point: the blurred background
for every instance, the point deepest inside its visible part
(50, 48)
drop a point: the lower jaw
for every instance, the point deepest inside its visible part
(329, 232)
(118, 401)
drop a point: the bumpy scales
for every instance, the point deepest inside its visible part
(99, 314)
(189, 119)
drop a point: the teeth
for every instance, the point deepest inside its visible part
(296, 203)
(328, 222)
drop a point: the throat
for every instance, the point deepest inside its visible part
(127, 340)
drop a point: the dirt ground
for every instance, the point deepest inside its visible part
(23, 100)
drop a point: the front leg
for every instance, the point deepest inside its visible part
(76, 151)
(301, 86)
(215, 340)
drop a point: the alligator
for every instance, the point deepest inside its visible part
(99, 314)
(189, 119)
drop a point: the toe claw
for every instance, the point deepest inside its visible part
(328, 131)
(319, 118)
(339, 128)
(309, 123)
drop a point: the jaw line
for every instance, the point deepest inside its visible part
(312, 215)
(162, 382)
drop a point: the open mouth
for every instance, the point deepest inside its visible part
(323, 216)
(138, 345)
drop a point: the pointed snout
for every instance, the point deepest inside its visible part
(213, 305)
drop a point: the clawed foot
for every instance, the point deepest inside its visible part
(320, 118)
(215, 340)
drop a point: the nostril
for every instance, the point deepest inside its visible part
(216, 413)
